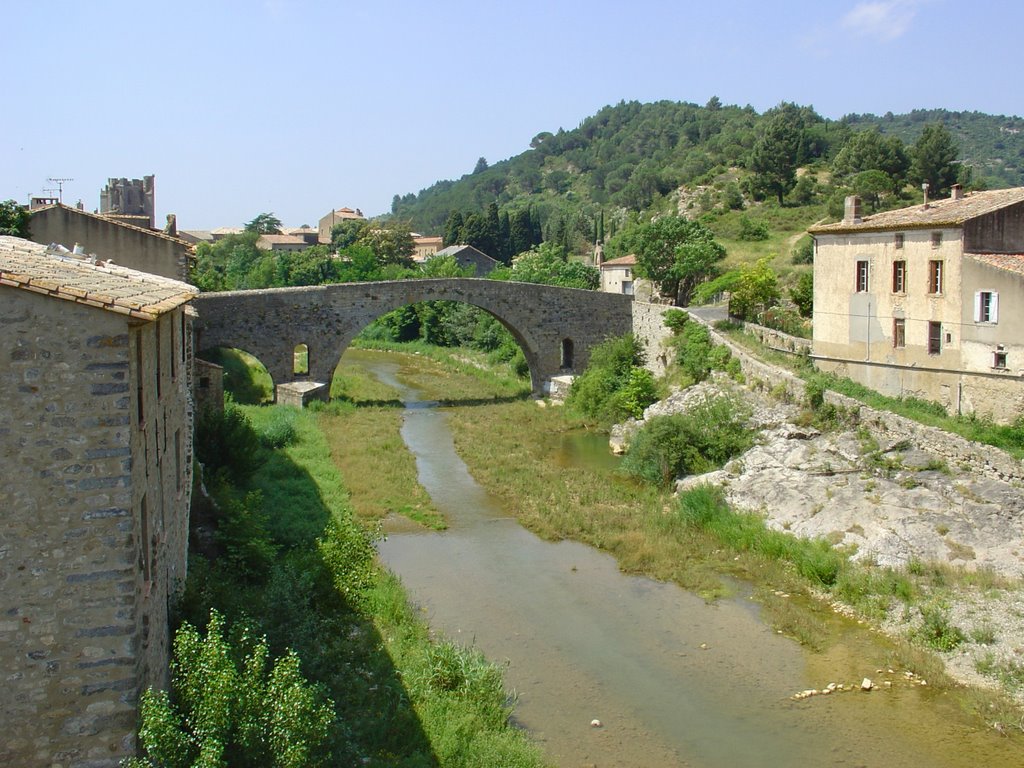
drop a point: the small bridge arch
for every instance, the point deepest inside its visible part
(545, 321)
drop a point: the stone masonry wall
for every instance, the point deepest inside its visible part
(887, 427)
(271, 323)
(80, 631)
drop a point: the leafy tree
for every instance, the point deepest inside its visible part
(477, 231)
(14, 219)
(391, 242)
(756, 288)
(231, 702)
(481, 166)
(548, 264)
(776, 152)
(871, 151)
(453, 229)
(265, 224)
(346, 233)
(802, 294)
(870, 186)
(676, 253)
(933, 160)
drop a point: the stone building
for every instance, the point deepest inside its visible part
(617, 275)
(466, 256)
(336, 216)
(927, 301)
(96, 450)
(425, 246)
(130, 246)
(132, 200)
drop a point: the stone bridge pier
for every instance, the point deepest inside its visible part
(555, 327)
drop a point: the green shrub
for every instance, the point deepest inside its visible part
(639, 391)
(675, 320)
(752, 230)
(937, 632)
(228, 704)
(803, 250)
(693, 347)
(242, 534)
(279, 429)
(225, 440)
(595, 393)
(695, 442)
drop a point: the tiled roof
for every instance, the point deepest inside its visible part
(939, 213)
(622, 261)
(117, 223)
(1011, 262)
(63, 275)
(227, 231)
(281, 240)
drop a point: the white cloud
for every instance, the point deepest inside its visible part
(883, 20)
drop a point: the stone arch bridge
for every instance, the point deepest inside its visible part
(555, 327)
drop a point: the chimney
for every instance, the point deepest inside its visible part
(851, 211)
(957, 192)
(924, 189)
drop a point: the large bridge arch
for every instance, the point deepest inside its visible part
(270, 323)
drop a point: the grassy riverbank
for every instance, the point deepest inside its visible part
(290, 563)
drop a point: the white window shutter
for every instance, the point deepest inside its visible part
(995, 307)
(977, 306)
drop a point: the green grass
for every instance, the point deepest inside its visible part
(351, 623)
(245, 377)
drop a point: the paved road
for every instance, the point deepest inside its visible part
(709, 314)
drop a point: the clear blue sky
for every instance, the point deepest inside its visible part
(298, 106)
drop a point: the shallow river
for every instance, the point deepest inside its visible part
(672, 680)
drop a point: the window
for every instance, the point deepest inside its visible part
(898, 240)
(935, 276)
(300, 360)
(999, 360)
(862, 276)
(986, 307)
(568, 352)
(899, 333)
(899, 277)
(936, 239)
(139, 397)
(934, 338)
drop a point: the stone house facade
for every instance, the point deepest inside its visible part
(336, 216)
(96, 450)
(927, 301)
(129, 246)
(617, 275)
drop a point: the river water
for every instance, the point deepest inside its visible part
(674, 681)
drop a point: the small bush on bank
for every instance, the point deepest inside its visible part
(695, 442)
(279, 429)
(598, 393)
(226, 440)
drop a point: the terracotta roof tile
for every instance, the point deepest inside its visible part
(939, 213)
(1011, 262)
(34, 267)
(622, 261)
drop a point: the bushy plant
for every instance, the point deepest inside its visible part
(702, 439)
(752, 230)
(639, 391)
(803, 250)
(693, 347)
(230, 702)
(278, 430)
(675, 320)
(226, 440)
(595, 393)
(242, 534)
(937, 632)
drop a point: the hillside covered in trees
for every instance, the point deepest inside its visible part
(628, 159)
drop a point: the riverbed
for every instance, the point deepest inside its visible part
(669, 679)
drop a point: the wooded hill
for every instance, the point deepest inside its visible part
(628, 158)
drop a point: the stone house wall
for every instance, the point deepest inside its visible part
(86, 568)
(126, 245)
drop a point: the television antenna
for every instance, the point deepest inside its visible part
(60, 188)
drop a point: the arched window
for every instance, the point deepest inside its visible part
(300, 360)
(567, 353)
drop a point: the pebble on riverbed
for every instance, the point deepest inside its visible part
(595, 723)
